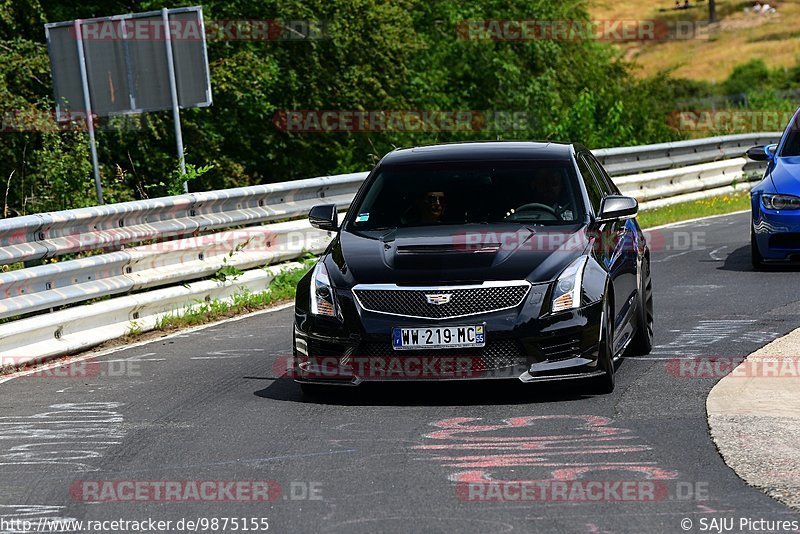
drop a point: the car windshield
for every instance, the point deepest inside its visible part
(527, 192)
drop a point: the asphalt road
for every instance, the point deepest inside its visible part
(211, 406)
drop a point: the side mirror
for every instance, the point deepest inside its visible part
(617, 207)
(771, 149)
(762, 153)
(324, 217)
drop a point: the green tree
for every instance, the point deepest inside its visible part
(375, 55)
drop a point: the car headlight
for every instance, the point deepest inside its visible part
(780, 202)
(567, 293)
(323, 301)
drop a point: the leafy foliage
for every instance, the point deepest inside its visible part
(375, 55)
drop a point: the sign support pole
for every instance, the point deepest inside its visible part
(87, 104)
(173, 90)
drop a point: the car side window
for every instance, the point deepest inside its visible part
(592, 188)
(602, 176)
(792, 145)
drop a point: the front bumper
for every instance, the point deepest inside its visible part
(521, 343)
(777, 233)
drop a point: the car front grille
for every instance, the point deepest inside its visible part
(459, 301)
(497, 354)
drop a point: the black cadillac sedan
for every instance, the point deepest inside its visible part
(495, 260)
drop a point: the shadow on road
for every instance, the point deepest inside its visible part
(739, 261)
(472, 393)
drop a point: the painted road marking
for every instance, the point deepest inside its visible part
(706, 333)
(594, 445)
(68, 434)
(714, 255)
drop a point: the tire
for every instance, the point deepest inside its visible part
(755, 255)
(642, 342)
(604, 384)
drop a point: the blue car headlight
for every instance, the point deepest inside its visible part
(780, 202)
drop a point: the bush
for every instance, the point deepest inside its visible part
(747, 77)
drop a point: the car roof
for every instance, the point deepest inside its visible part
(480, 151)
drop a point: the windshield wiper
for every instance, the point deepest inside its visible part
(527, 224)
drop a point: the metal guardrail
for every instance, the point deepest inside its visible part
(674, 183)
(643, 158)
(82, 327)
(168, 262)
(47, 235)
(155, 256)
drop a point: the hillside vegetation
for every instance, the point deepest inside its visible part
(718, 49)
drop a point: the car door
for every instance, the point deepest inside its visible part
(619, 238)
(601, 250)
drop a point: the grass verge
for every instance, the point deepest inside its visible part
(281, 288)
(692, 210)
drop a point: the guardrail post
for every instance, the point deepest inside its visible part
(173, 91)
(87, 106)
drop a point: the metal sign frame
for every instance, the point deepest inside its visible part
(145, 14)
(174, 99)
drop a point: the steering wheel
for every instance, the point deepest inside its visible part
(528, 211)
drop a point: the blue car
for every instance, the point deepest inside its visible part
(775, 201)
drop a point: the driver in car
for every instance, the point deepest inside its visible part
(427, 208)
(547, 193)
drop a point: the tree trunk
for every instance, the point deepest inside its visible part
(712, 11)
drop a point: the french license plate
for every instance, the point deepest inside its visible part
(439, 337)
